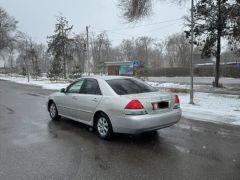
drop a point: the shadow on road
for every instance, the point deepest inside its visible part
(80, 129)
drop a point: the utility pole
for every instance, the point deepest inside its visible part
(191, 61)
(26, 61)
(88, 64)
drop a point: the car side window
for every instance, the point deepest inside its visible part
(90, 86)
(75, 87)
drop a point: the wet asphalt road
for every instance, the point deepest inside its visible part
(34, 147)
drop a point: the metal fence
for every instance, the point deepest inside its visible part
(201, 71)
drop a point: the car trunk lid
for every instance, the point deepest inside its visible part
(154, 102)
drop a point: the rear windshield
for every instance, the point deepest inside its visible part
(130, 86)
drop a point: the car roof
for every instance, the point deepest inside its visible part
(108, 77)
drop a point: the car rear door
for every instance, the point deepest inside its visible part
(87, 100)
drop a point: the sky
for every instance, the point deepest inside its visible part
(37, 18)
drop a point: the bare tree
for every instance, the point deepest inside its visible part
(116, 54)
(178, 50)
(28, 55)
(11, 50)
(127, 47)
(79, 51)
(101, 47)
(7, 29)
(23, 57)
(157, 56)
(134, 10)
(143, 44)
(44, 58)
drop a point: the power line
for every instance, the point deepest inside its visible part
(124, 34)
(156, 23)
(163, 27)
(133, 36)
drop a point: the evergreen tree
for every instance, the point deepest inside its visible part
(55, 71)
(216, 20)
(58, 44)
(23, 71)
(76, 73)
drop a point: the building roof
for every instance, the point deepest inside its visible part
(118, 63)
(108, 77)
(213, 64)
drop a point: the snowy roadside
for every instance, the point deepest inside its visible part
(216, 108)
(211, 107)
(168, 85)
(45, 83)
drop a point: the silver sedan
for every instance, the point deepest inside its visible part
(115, 104)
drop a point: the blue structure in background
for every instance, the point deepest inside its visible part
(136, 63)
(125, 70)
(238, 66)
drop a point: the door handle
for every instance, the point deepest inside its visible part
(74, 97)
(95, 100)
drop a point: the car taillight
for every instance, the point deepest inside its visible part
(134, 104)
(177, 102)
(177, 99)
(135, 107)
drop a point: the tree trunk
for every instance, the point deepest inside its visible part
(33, 65)
(218, 55)
(64, 63)
(64, 68)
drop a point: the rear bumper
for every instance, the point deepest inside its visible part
(142, 123)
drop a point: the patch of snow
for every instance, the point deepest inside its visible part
(172, 85)
(168, 85)
(43, 82)
(212, 107)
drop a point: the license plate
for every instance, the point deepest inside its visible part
(160, 105)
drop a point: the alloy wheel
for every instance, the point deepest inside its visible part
(102, 126)
(53, 110)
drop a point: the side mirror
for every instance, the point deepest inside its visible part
(62, 90)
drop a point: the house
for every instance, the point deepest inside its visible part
(122, 68)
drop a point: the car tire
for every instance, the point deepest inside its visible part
(103, 126)
(151, 133)
(53, 112)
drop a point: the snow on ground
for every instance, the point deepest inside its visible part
(197, 80)
(42, 82)
(168, 85)
(175, 85)
(212, 107)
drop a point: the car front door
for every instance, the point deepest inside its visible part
(67, 105)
